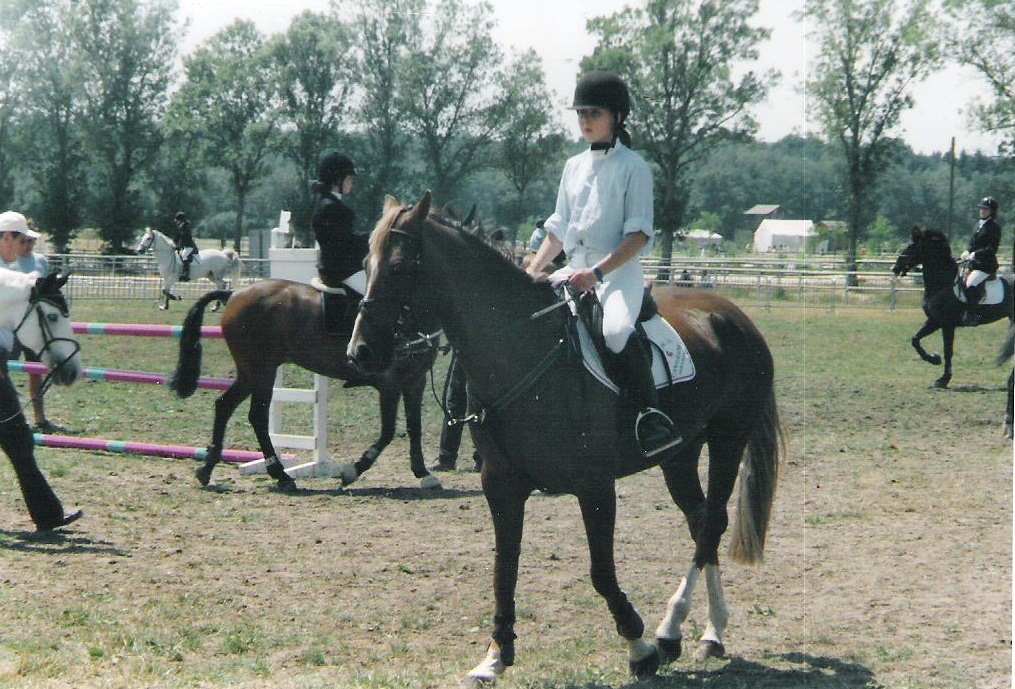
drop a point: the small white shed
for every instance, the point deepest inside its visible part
(782, 235)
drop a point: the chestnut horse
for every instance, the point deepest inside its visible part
(272, 322)
(528, 384)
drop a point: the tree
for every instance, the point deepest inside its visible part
(228, 103)
(985, 40)
(447, 91)
(49, 82)
(127, 51)
(530, 141)
(678, 60)
(870, 52)
(383, 29)
(8, 110)
(314, 80)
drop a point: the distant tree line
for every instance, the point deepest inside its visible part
(101, 128)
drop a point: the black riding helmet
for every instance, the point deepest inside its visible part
(990, 203)
(333, 168)
(601, 88)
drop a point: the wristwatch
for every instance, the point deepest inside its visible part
(598, 272)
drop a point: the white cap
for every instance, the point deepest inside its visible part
(31, 234)
(11, 221)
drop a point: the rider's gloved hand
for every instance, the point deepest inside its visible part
(965, 256)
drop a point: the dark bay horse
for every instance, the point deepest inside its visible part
(272, 322)
(529, 388)
(930, 249)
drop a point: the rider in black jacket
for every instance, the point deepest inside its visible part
(982, 255)
(341, 249)
(184, 240)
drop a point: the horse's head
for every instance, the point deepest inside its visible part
(929, 248)
(393, 267)
(144, 244)
(911, 255)
(46, 329)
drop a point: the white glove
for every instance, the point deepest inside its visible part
(965, 256)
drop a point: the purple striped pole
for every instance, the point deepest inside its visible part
(152, 449)
(112, 375)
(141, 330)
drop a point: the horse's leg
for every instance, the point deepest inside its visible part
(681, 474)
(220, 284)
(350, 473)
(260, 403)
(948, 338)
(598, 502)
(412, 403)
(506, 494)
(225, 405)
(1009, 416)
(928, 328)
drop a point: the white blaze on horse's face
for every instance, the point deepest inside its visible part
(62, 354)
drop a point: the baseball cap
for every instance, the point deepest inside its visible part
(11, 221)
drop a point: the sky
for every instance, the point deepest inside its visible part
(556, 30)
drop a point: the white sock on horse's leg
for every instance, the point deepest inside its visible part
(718, 613)
(678, 607)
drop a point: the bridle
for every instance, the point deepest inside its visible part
(49, 339)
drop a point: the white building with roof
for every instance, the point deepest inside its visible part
(789, 236)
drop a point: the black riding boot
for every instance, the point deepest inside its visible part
(970, 317)
(653, 429)
(185, 273)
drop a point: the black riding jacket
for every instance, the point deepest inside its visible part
(183, 237)
(984, 243)
(342, 250)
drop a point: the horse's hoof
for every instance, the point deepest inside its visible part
(669, 650)
(203, 474)
(1009, 430)
(709, 649)
(647, 666)
(430, 482)
(941, 383)
(163, 308)
(934, 360)
(347, 474)
(287, 485)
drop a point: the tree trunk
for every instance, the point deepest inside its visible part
(241, 205)
(665, 255)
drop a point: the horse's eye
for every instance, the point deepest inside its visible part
(52, 317)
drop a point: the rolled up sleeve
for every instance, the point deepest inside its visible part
(638, 208)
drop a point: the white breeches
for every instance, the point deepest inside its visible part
(976, 277)
(620, 293)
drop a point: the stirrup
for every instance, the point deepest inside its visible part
(664, 440)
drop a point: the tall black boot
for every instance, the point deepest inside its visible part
(970, 316)
(185, 273)
(654, 430)
(451, 440)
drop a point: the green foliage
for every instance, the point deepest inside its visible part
(870, 52)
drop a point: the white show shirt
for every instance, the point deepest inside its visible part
(603, 196)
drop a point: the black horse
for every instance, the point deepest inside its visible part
(526, 384)
(272, 322)
(941, 302)
(1007, 351)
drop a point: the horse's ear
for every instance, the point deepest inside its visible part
(390, 202)
(470, 217)
(61, 280)
(422, 209)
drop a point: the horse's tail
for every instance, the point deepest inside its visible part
(759, 473)
(235, 265)
(188, 366)
(1008, 348)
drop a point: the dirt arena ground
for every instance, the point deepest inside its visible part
(889, 560)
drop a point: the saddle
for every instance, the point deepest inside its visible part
(339, 306)
(993, 290)
(671, 362)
